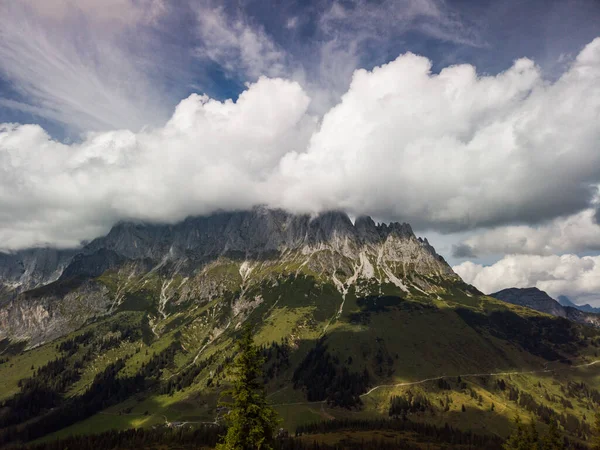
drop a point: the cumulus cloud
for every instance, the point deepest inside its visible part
(357, 32)
(573, 234)
(570, 275)
(447, 151)
(210, 155)
(455, 150)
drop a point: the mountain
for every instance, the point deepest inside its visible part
(356, 321)
(329, 244)
(566, 301)
(531, 298)
(27, 269)
(540, 301)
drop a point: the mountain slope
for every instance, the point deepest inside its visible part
(140, 326)
(566, 301)
(540, 301)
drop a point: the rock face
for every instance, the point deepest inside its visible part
(539, 300)
(255, 234)
(69, 287)
(42, 317)
(27, 269)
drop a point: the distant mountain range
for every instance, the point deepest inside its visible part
(566, 301)
(539, 300)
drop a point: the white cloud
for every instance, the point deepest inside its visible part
(353, 32)
(324, 63)
(361, 20)
(210, 155)
(237, 45)
(573, 234)
(81, 63)
(110, 12)
(455, 150)
(291, 23)
(450, 151)
(570, 275)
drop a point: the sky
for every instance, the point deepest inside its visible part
(478, 122)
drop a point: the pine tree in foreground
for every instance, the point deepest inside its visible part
(251, 421)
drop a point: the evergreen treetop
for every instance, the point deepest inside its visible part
(251, 421)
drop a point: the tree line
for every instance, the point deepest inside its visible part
(322, 378)
(106, 390)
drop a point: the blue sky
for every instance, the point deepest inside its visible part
(164, 40)
(477, 122)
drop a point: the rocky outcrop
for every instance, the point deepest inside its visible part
(582, 317)
(38, 317)
(27, 269)
(258, 232)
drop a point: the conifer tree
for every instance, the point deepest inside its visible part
(553, 440)
(251, 421)
(516, 440)
(522, 438)
(533, 435)
(596, 432)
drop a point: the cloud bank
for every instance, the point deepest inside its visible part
(573, 234)
(570, 275)
(448, 151)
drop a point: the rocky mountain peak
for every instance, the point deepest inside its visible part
(367, 229)
(199, 240)
(360, 256)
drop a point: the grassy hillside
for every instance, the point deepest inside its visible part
(163, 353)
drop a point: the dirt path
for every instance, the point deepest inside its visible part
(492, 374)
(466, 375)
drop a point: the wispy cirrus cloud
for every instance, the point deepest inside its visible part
(378, 20)
(79, 64)
(345, 36)
(241, 47)
(93, 65)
